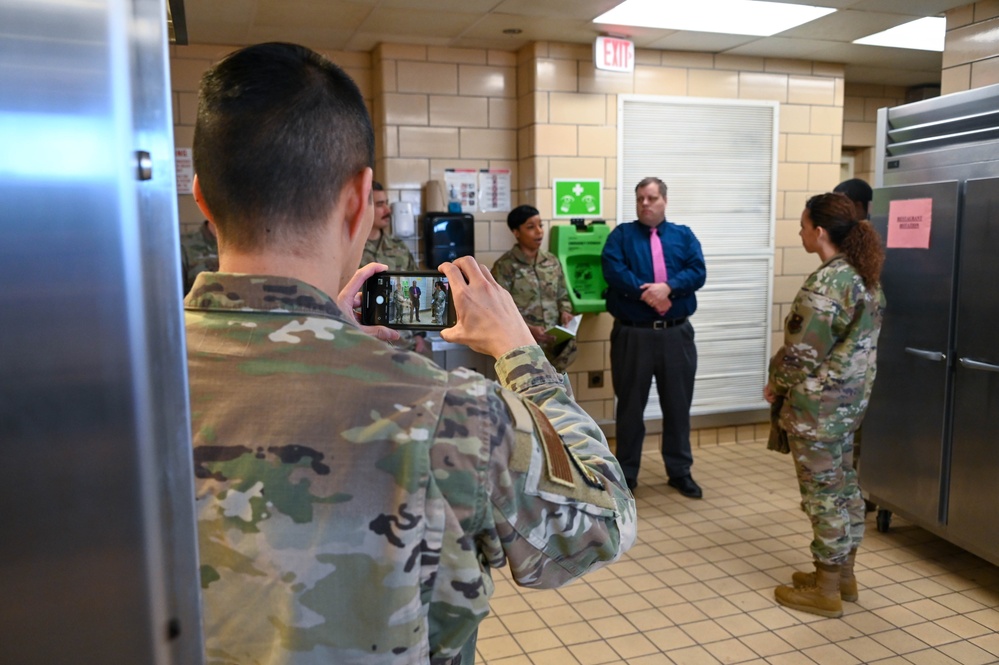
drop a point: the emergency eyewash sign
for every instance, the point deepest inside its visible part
(577, 198)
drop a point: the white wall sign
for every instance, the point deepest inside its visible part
(184, 159)
(614, 54)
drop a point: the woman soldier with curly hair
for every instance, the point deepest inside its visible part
(824, 373)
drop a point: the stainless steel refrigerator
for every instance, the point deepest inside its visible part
(97, 531)
(930, 449)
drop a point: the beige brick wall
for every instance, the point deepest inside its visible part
(971, 52)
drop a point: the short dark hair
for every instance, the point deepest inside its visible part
(645, 182)
(280, 131)
(376, 186)
(856, 190)
(519, 215)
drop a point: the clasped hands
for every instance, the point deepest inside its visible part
(656, 296)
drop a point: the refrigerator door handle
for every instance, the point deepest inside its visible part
(935, 356)
(974, 364)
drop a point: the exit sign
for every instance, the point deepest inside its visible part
(614, 54)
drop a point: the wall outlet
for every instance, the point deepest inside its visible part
(595, 380)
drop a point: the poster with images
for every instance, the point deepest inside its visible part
(494, 190)
(461, 187)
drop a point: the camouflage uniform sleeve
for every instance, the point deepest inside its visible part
(809, 336)
(560, 503)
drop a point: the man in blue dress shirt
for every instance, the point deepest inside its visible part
(652, 335)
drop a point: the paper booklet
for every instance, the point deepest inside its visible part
(566, 332)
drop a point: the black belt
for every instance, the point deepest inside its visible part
(658, 325)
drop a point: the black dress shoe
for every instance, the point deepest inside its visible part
(632, 483)
(686, 486)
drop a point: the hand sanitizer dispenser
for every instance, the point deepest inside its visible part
(403, 219)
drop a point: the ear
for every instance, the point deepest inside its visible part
(358, 209)
(199, 198)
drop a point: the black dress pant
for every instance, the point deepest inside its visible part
(669, 355)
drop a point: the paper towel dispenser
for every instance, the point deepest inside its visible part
(446, 236)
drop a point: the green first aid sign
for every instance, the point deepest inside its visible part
(578, 198)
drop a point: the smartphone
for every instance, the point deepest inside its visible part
(407, 301)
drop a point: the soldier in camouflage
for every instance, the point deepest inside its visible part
(535, 280)
(352, 497)
(199, 252)
(383, 247)
(825, 372)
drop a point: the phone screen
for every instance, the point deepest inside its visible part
(407, 301)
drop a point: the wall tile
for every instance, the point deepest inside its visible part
(555, 140)
(811, 90)
(788, 66)
(456, 111)
(404, 109)
(795, 118)
(595, 326)
(590, 357)
(593, 80)
(556, 75)
(502, 113)
(792, 176)
(660, 80)
(428, 142)
(986, 9)
(873, 104)
(853, 107)
(859, 134)
(385, 75)
(743, 63)
(827, 120)
(388, 141)
(830, 69)
(648, 56)
(487, 81)
(756, 85)
(186, 108)
(488, 143)
(786, 230)
(823, 177)
(402, 52)
(501, 58)
(575, 167)
(567, 51)
(786, 288)
(690, 59)
(955, 79)
(985, 72)
(601, 141)
(577, 109)
(799, 262)
(406, 173)
(428, 77)
(809, 148)
(711, 83)
(464, 55)
(585, 393)
(185, 75)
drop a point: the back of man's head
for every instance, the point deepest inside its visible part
(280, 131)
(858, 191)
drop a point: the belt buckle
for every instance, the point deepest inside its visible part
(659, 325)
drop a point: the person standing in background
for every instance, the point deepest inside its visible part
(860, 193)
(383, 247)
(199, 252)
(535, 279)
(823, 374)
(653, 270)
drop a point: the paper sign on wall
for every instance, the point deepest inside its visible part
(461, 188)
(494, 190)
(184, 160)
(909, 223)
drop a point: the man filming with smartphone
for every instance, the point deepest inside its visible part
(352, 496)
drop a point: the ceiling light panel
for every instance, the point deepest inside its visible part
(733, 17)
(925, 34)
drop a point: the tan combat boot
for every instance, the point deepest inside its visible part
(822, 599)
(847, 580)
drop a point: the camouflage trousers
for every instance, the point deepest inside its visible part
(830, 496)
(561, 356)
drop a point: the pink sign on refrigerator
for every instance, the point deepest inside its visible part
(909, 223)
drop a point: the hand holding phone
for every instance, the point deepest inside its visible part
(404, 300)
(350, 296)
(488, 319)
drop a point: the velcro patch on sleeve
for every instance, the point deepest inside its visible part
(557, 462)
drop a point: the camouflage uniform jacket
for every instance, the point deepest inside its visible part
(389, 250)
(826, 367)
(538, 288)
(357, 519)
(199, 253)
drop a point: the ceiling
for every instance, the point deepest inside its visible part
(359, 25)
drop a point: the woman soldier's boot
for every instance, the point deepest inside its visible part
(847, 580)
(823, 598)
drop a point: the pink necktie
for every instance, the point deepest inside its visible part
(658, 262)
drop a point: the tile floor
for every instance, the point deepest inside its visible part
(697, 587)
